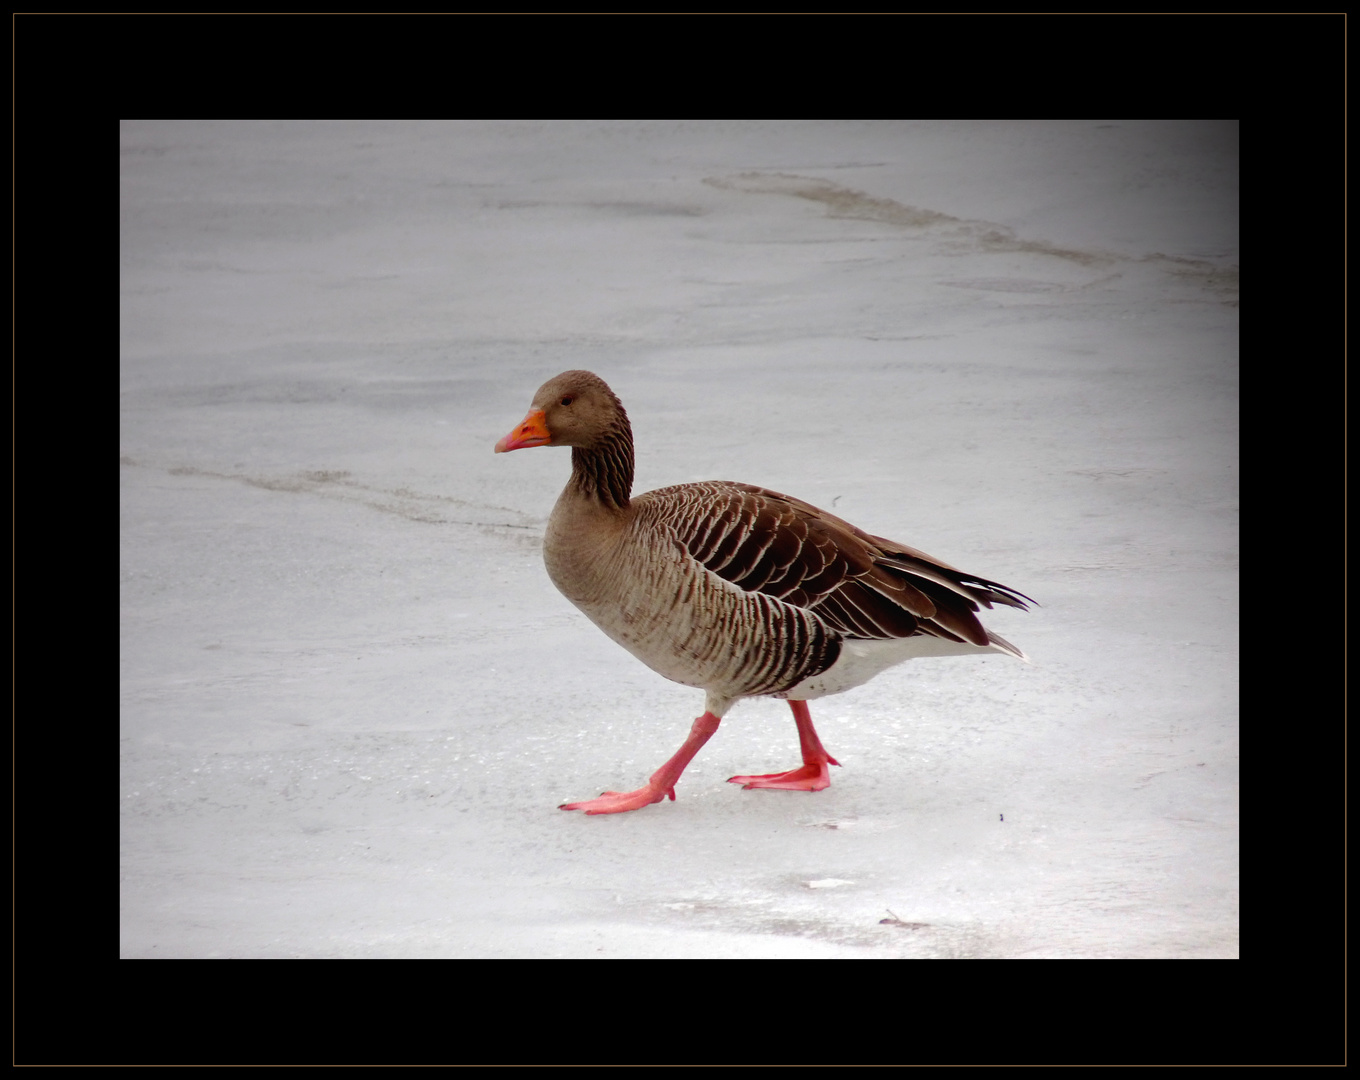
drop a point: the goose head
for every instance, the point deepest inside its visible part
(575, 408)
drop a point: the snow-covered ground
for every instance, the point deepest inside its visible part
(351, 700)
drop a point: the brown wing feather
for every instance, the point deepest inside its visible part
(860, 585)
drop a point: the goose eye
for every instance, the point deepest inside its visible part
(567, 400)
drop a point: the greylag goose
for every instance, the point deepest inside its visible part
(740, 591)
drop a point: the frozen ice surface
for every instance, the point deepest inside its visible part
(351, 700)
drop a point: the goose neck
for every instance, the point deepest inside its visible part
(603, 473)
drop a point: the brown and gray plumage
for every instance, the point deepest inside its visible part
(740, 591)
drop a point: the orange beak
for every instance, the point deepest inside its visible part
(532, 432)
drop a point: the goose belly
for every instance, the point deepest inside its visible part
(689, 625)
(861, 659)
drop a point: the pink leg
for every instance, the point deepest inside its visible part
(662, 782)
(813, 775)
